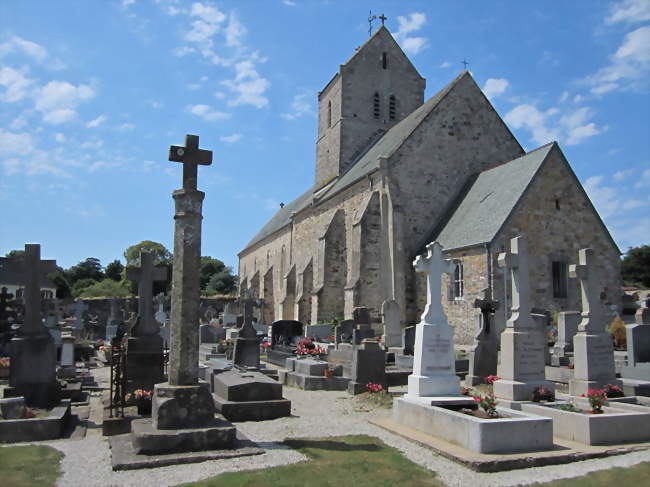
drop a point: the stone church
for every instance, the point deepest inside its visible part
(395, 172)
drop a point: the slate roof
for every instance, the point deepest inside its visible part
(365, 164)
(489, 199)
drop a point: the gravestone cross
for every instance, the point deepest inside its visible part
(190, 156)
(517, 261)
(146, 275)
(593, 318)
(488, 306)
(433, 265)
(34, 268)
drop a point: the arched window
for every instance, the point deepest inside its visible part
(376, 107)
(391, 107)
(329, 113)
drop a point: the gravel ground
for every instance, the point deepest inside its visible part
(314, 414)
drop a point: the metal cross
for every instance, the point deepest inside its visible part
(487, 305)
(190, 156)
(370, 19)
(465, 63)
(383, 18)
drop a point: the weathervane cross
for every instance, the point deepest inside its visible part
(383, 18)
(190, 156)
(370, 19)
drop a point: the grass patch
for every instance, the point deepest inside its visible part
(29, 466)
(636, 475)
(362, 461)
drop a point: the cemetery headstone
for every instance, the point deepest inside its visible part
(638, 347)
(523, 343)
(434, 367)
(483, 356)
(67, 369)
(80, 307)
(113, 320)
(144, 348)
(343, 332)
(392, 323)
(33, 353)
(593, 352)
(567, 327)
(362, 328)
(368, 365)
(229, 315)
(284, 338)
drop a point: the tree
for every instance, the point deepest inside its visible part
(91, 268)
(108, 288)
(114, 270)
(160, 254)
(209, 267)
(79, 286)
(16, 254)
(60, 280)
(223, 282)
(635, 266)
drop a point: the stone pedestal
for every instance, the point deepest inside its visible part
(181, 407)
(144, 362)
(434, 370)
(33, 371)
(593, 363)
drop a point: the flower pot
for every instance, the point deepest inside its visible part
(329, 373)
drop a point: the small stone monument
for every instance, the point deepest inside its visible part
(247, 344)
(434, 366)
(67, 369)
(592, 346)
(362, 328)
(636, 374)
(80, 307)
(483, 356)
(113, 320)
(32, 372)
(229, 315)
(567, 326)
(523, 343)
(392, 324)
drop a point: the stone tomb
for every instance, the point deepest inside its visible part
(592, 345)
(392, 325)
(523, 343)
(312, 375)
(285, 335)
(368, 365)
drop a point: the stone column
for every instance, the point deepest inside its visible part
(184, 340)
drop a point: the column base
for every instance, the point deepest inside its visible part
(519, 391)
(427, 386)
(182, 407)
(579, 387)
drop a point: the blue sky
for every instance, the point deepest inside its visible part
(93, 93)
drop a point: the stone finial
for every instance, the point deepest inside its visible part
(433, 265)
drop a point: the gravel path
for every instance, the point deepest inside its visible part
(315, 414)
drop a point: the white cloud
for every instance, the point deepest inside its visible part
(19, 122)
(96, 122)
(578, 98)
(248, 86)
(207, 24)
(629, 11)
(234, 31)
(445, 64)
(92, 144)
(126, 3)
(183, 51)
(644, 180)
(301, 105)
(624, 174)
(563, 97)
(59, 137)
(207, 113)
(607, 199)
(572, 127)
(494, 87)
(15, 144)
(126, 127)
(628, 67)
(289, 3)
(57, 100)
(231, 139)
(31, 49)
(103, 165)
(407, 25)
(16, 84)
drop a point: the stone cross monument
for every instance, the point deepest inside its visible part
(522, 343)
(183, 403)
(146, 275)
(32, 372)
(246, 353)
(593, 352)
(434, 367)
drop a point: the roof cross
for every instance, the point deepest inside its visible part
(465, 63)
(190, 156)
(383, 18)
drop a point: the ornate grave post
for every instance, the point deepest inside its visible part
(434, 367)
(593, 352)
(33, 353)
(523, 345)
